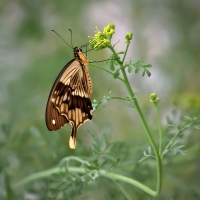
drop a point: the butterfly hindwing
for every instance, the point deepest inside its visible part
(54, 120)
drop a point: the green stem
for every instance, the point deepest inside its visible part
(160, 130)
(81, 170)
(69, 158)
(125, 53)
(120, 98)
(46, 173)
(131, 181)
(142, 119)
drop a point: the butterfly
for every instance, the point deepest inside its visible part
(69, 99)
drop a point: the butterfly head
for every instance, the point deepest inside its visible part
(79, 55)
(77, 51)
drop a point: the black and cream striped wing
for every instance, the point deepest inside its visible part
(69, 100)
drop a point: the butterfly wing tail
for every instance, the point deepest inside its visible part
(72, 140)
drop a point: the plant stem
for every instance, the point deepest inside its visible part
(131, 181)
(82, 170)
(46, 173)
(160, 130)
(125, 53)
(142, 119)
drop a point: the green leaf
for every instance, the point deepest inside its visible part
(103, 163)
(130, 68)
(131, 104)
(96, 163)
(121, 52)
(137, 69)
(112, 66)
(116, 74)
(104, 101)
(148, 73)
(91, 167)
(143, 73)
(117, 161)
(147, 66)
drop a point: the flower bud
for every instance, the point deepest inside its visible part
(128, 37)
(154, 99)
(153, 96)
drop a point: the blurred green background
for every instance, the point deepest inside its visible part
(166, 34)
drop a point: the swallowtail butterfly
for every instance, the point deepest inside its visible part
(69, 99)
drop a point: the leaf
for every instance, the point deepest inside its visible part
(116, 74)
(183, 152)
(94, 101)
(104, 102)
(197, 127)
(91, 167)
(147, 66)
(121, 52)
(149, 150)
(143, 158)
(96, 163)
(117, 161)
(137, 69)
(131, 104)
(143, 73)
(112, 66)
(130, 68)
(148, 73)
(165, 151)
(103, 164)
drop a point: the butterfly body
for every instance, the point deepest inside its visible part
(69, 99)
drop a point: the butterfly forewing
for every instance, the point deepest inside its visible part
(69, 99)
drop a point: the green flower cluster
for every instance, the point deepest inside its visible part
(101, 40)
(154, 99)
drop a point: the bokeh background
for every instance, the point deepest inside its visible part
(165, 34)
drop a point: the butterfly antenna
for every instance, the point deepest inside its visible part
(71, 37)
(62, 39)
